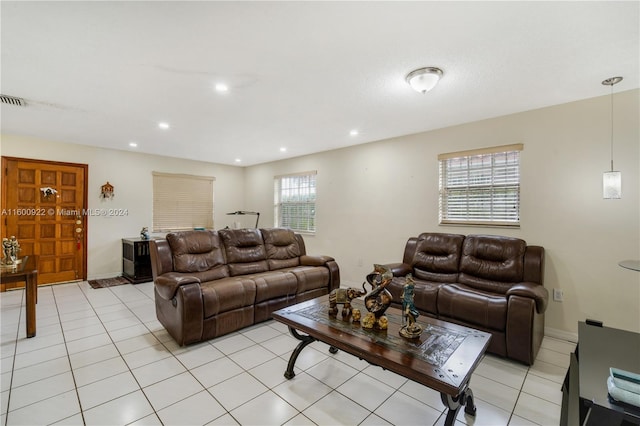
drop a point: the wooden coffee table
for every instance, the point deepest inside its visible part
(442, 358)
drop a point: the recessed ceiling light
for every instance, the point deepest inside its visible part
(283, 149)
(221, 87)
(238, 160)
(133, 144)
(163, 125)
(354, 132)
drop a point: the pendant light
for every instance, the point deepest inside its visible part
(612, 180)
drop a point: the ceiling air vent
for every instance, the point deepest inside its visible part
(12, 100)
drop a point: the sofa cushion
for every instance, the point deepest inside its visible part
(274, 285)
(492, 263)
(227, 294)
(244, 251)
(197, 251)
(282, 248)
(436, 257)
(473, 306)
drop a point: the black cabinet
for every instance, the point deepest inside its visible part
(585, 399)
(136, 262)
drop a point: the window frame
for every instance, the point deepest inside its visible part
(182, 202)
(485, 194)
(306, 207)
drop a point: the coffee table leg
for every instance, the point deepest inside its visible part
(304, 341)
(454, 403)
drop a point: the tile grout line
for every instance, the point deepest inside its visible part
(27, 384)
(15, 355)
(73, 376)
(166, 378)
(141, 389)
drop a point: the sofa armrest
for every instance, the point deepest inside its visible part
(167, 284)
(334, 274)
(533, 291)
(399, 269)
(307, 260)
(329, 263)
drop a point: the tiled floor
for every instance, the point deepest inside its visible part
(101, 357)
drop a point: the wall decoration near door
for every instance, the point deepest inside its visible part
(43, 205)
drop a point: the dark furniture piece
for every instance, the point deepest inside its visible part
(25, 271)
(209, 283)
(585, 399)
(488, 282)
(442, 358)
(136, 261)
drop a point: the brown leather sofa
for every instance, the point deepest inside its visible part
(209, 283)
(487, 282)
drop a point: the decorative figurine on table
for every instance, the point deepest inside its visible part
(144, 233)
(379, 299)
(6, 252)
(343, 296)
(356, 315)
(410, 329)
(10, 249)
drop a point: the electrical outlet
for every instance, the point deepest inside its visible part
(558, 295)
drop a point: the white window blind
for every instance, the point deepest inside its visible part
(182, 202)
(481, 187)
(295, 201)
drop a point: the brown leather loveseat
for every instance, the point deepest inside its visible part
(209, 283)
(487, 282)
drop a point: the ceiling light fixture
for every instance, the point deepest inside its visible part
(283, 149)
(221, 87)
(354, 132)
(133, 144)
(163, 126)
(424, 79)
(612, 180)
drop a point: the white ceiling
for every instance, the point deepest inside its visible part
(301, 75)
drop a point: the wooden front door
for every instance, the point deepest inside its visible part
(43, 206)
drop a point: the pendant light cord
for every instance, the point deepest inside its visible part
(611, 97)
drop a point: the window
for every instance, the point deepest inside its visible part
(481, 187)
(295, 201)
(182, 202)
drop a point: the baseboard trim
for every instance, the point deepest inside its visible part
(561, 334)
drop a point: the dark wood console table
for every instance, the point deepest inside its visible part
(26, 271)
(136, 261)
(585, 395)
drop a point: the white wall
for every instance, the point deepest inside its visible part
(130, 174)
(372, 197)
